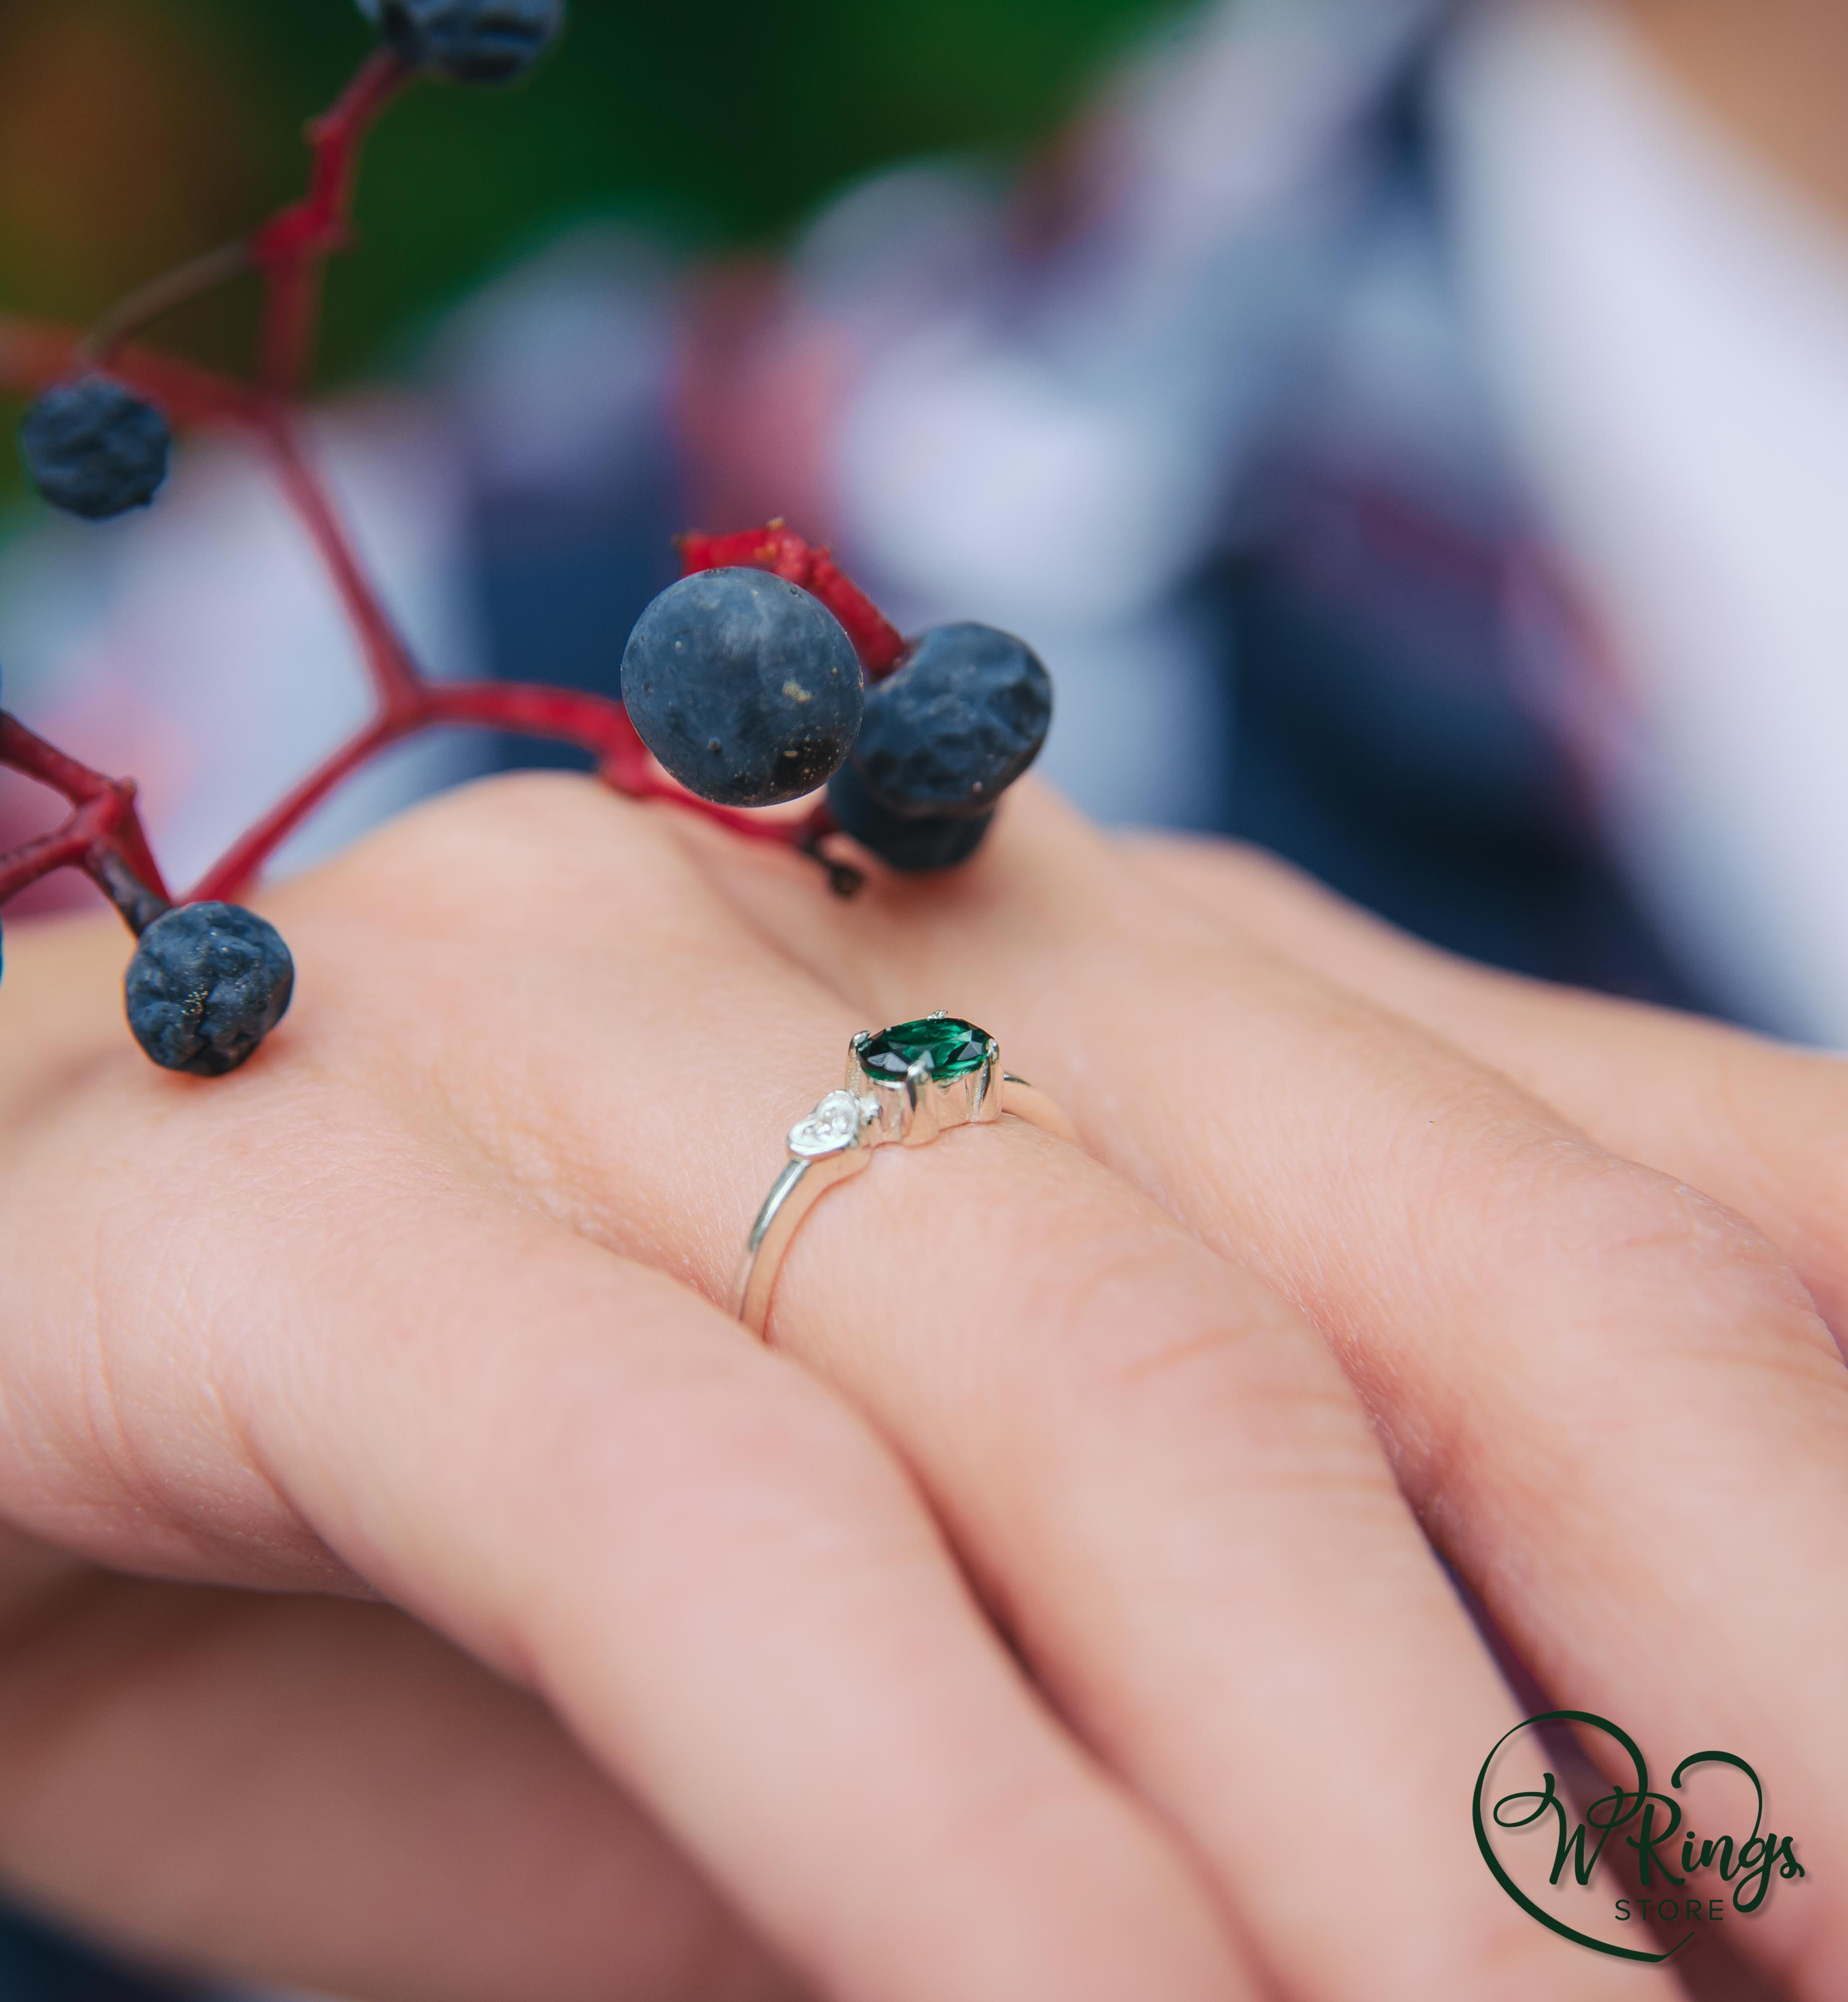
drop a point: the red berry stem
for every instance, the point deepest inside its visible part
(568, 716)
(103, 835)
(394, 677)
(34, 355)
(777, 547)
(129, 315)
(291, 249)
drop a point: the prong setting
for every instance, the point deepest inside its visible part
(915, 1106)
(905, 1085)
(985, 1103)
(923, 1108)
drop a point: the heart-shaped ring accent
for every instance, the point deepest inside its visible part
(834, 1124)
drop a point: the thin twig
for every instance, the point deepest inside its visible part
(293, 246)
(147, 303)
(395, 676)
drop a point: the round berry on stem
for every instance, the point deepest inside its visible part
(912, 844)
(953, 725)
(208, 983)
(471, 41)
(744, 687)
(94, 449)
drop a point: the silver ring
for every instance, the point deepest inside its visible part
(908, 1083)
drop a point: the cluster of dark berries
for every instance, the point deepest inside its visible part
(749, 692)
(93, 448)
(474, 41)
(208, 982)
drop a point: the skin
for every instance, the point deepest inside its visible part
(412, 1310)
(411, 1585)
(1006, 1625)
(1608, 1394)
(1772, 73)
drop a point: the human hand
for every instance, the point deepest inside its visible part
(1610, 1400)
(408, 1309)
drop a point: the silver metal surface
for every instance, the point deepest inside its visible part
(837, 1140)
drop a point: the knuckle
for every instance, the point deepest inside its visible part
(1638, 1236)
(1607, 1298)
(1501, 1187)
(521, 844)
(1650, 1270)
(1780, 1116)
(729, 1451)
(1158, 1342)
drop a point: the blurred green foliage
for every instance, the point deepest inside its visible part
(134, 132)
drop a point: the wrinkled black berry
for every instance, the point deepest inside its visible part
(743, 686)
(208, 983)
(913, 844)
(955, 724)
(474, 41)
(93, 449)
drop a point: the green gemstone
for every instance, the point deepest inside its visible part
(954, 1048)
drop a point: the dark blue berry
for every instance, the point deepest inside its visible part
(208, 983)
(93, 449)
(955, 724)
(913, 844)
(743, 686)
(474, 41)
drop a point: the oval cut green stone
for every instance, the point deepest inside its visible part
(954, 1048)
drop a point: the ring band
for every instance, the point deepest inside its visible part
(908, 1083)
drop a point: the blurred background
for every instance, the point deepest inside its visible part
(1406, 427)
(132, 132)
(1413, 431)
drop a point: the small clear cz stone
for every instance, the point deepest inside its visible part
(834, 1124)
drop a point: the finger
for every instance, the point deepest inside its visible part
(591, 1481)
(1160, 1480)
(186, 1766)
(1757, 1124)
(1554, 1341)
(1177, 1507)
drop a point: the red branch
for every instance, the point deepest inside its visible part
(779, 548)
(396, 681)
(568, 716)
(102, 834)
(34, 355)
(292, 246)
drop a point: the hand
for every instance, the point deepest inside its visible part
(409, 1310)
(1611, 1400)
